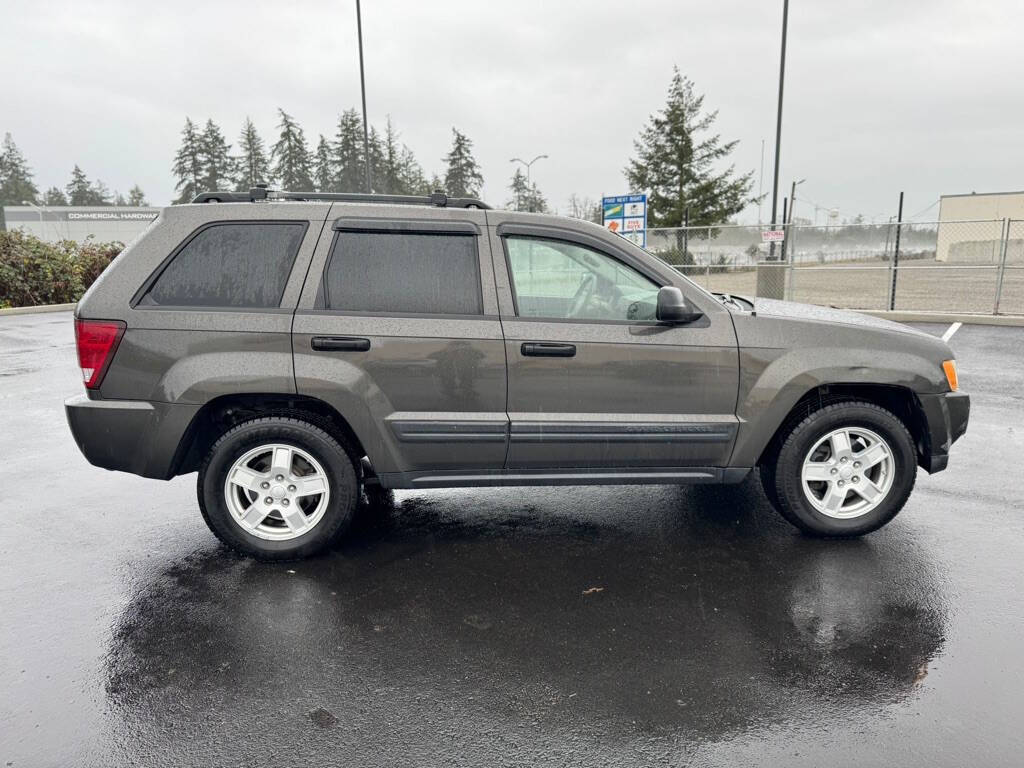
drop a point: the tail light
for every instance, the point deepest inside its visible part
(96, 341)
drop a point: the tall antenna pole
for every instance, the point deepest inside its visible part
(362, 85)
(778, 121)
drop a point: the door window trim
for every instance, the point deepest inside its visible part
(406, 226)
(155, 275)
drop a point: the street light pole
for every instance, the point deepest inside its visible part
(362, 86)
(528, 166)
(778, 119)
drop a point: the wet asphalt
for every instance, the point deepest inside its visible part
(572, 626)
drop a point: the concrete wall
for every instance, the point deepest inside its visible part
(103, 223)
(970, 226)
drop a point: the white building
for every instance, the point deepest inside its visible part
(102, 223)
(971, 226)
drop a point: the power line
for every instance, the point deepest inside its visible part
(924, 210)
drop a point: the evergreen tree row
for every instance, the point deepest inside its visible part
(204, 161)
(17, 185)
(678, 161)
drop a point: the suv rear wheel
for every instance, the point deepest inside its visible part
(843, 470)
(277, 488)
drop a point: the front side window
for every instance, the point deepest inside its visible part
(243, 264)
(402, 273)
(561, 280)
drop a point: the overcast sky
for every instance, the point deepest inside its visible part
(917, 95)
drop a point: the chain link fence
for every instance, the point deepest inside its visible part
(948, 266)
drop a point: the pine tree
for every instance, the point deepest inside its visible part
(410, 175)
(120, 200)
(349, 165)
(188, 164)
(16, 183)
(377, 164)
(396, 171)
(520, 192)
(54, 196)
(676, 163)
(251, 165)
(462, 176)
(290, 156)
(323, 167)
(535, 202)
(79, 189)
(385, 161)
(214, 154)
(99, 194)
(136, 196)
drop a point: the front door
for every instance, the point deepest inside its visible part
(593, 379)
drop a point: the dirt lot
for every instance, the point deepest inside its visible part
(924, 286)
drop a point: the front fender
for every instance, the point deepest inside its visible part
(774, 379)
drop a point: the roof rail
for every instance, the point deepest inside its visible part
(260, 192)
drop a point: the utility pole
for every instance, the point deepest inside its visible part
(792, 201)
(778, 118)
(760, 186)
(362, 86)
(896, 255)
(768, 283)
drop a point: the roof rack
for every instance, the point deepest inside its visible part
(261, 192)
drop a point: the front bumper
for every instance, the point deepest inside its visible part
(946, 417)
(129, 435)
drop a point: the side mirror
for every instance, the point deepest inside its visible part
(674, 308)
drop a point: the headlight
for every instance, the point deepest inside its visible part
(949, 368)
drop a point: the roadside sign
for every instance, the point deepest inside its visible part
(626, 215)
(773, 235)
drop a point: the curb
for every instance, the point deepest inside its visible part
(1012, 321)
(34, 310)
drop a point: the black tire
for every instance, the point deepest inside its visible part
(333, 455)
(781, 470)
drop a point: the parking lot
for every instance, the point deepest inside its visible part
(567, 626)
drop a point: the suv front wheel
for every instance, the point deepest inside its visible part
(843, 470)
(277, 488)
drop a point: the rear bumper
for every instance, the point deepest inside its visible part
(946, 417)
(129, 435)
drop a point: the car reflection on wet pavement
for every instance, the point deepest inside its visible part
(455, 609)
(562, 626)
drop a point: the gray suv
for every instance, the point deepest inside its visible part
(299, 349)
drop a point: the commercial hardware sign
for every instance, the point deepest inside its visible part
(20, 213)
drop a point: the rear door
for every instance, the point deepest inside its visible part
(594, 379)
(398, 328)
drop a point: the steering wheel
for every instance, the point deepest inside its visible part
(583, 294)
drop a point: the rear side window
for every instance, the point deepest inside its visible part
(403, 272)
(243, 264)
